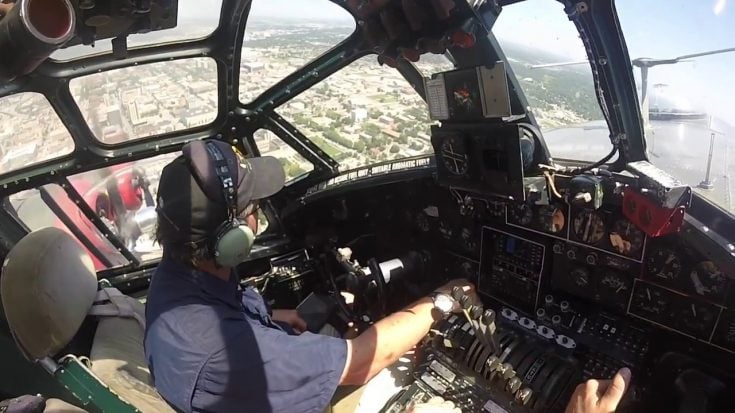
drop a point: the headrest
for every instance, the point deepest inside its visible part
(48, 284)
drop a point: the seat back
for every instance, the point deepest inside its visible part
(48, 285)
(48, 288)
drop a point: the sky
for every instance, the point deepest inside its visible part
(652, 28)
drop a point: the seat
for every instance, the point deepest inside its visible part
(48, 289)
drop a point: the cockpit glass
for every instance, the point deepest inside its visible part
(31, 132)
(367, 113)
(283, 35)
(140, 101)
(683, 63)
(549, 60)
(196, 19)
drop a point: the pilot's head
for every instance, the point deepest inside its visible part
(208, 200)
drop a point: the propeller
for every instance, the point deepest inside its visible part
(645, 63)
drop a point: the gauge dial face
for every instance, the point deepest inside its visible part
(522, 214)
(650, 301)
(707, 280)
(454, 155)
(625, 238)
(552, 219)
(614, 289)
(589, 227)
(696, 319)
(663, 263)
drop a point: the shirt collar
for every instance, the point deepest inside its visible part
(225, 291)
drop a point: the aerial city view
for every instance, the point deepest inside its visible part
(363, 114)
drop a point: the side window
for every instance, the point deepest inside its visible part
(366, 113)
(31, 132)
(50, 206)
(293, 163)
(283, 35)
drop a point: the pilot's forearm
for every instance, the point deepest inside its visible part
(385, 341)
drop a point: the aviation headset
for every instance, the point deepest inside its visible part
(232, 240)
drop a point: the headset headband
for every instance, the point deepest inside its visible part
(225, 177)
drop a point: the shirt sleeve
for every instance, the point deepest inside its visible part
(265, 368)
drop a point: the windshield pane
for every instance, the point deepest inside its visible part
(140, 101)
(366, 114)
(691, 116)
(31, 132)
(550, 62)
(283, 35)
(271, 145)
(196, 19)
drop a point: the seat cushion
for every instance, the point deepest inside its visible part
(118, 360)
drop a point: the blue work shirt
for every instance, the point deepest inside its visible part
(213, 347)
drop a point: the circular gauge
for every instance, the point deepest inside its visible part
(589, 227)
(615, 288)
(696, 319)
(522, 214)
(552, 219)
(707, 280)
(580, 277)
(649, 300)
(663, 263)
(454, 155)
(625, 237)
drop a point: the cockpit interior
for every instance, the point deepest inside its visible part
(527, 146)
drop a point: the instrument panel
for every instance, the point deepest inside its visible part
(598, 256)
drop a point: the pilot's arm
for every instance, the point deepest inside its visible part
(388, 339)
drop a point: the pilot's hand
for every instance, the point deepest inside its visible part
(290, 317)
(434, 405)
(466, 286)
(599, 396)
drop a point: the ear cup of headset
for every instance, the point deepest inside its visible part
(233, 244)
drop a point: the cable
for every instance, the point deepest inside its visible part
(596, 164)
(552, 185)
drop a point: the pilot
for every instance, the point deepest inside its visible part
(214, 346)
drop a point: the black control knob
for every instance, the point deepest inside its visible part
(475, 312)
(488, 317)
(556, 319)
(466, 302)
(591, 258)
(557, 248)
(564, 305)
(513, 385)
(540, 312)
(457, 293)
(524, 395)
(549, 300)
